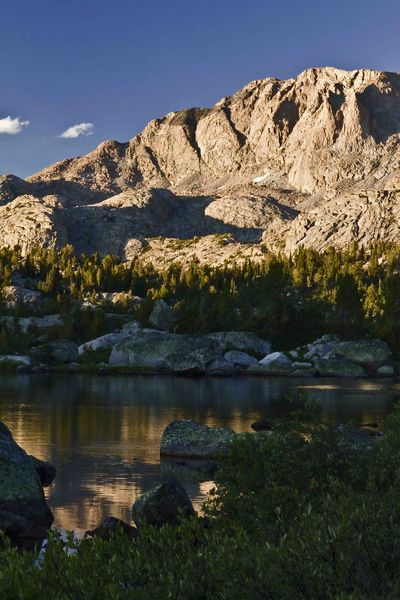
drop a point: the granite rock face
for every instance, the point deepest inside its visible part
(311, 161)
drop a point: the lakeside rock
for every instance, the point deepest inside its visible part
(164, 504)
(111, 526)
(56, 351)
(21, 492)
(109, 340)
(186, 438)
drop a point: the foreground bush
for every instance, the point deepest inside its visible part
(308, 512)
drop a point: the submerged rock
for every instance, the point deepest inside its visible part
(164, 504)
(186, 438)
(111, 526)
(21, 492)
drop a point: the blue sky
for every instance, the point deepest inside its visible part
(119, 63)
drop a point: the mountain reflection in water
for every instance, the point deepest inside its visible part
(103, 433)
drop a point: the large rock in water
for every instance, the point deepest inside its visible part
(189, 439)
(165, 504)
(21, 493)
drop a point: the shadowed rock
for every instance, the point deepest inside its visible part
(165, 504)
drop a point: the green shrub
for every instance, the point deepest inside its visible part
(309, 512)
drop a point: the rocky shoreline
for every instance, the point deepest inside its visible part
(186, 445)
(138, 350)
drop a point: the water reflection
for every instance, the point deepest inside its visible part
(103, 433)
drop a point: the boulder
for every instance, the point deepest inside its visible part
(244, 341)
(275, 358)
(385, 371)
(45, 470)
(109, 340)
(21, 492)
(111, 526)
(270, 369)
(338, 368)
(186, 438)
(220, 366)
(164, 504)
(150, 349)
(28, 324)
(11, 362)
(320, 347)
(19, 529)
(162, 316)
(240, 360)
(275, 363)
(368, 353)
(57, 351)
(14, 295)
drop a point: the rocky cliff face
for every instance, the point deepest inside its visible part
(311, 161)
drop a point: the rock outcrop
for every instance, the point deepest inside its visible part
(24, 513)
(311, 161)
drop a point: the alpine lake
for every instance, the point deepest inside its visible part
(103, 433)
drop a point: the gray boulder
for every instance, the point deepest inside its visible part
(165, 504)
(14, 295)
(109, 340)
(220, 366)
(57, 351)
(338, 368)
(244, 341)
(367, 353)
(275, 363)
(21, 492)
(162, 316)
(149, 349)
(11, 362)
(239, 359)
(276, 358)
(186, 438)
(385, 371)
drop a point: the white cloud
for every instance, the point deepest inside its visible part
(12, 126)
(76, 130)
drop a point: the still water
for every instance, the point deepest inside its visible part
(103, 433)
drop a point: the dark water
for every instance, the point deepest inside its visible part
(103, 433)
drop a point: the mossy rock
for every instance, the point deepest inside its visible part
(186, 438)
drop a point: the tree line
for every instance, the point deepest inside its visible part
(287, 299)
